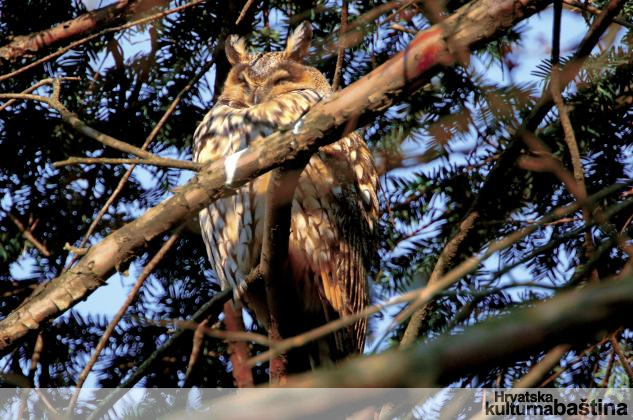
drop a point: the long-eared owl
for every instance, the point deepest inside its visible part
(334, 210)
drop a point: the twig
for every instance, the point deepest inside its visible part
(74, 121)
(570, 136)
(243, 12)
(595, 11)
(198, 336)
(624, 361)
(228, 336)
(607, 374)
(149, 268)
(444, 260)
(538, 371)
(336, 79)
(177, 164)
(28, 235)
(91, 37)
(35, 358)
(398, 27)
(43, 82)
(238, 350)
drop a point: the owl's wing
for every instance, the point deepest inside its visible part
(333, 234)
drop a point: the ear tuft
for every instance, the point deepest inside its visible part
(299, 42)
(235, 48)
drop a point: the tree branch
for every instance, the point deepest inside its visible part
(74, 121)
(149, 268)
(75, 44)
(443, 262)
(238, 350)
(177, 164)
(88, 22)
(471, 25)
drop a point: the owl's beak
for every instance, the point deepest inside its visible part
(259, 94)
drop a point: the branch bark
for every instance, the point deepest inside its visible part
(88, 22)
(470, 26)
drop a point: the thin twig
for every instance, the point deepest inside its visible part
(336, 79)
(607, 374)
(228, 335)
(537, 372)
(198, 336)
(28, 235)
(181, 164)
(595, 11)
(570, 136)
(35, 358)
(91, 37)
(74, 121)
(247, 5)
(43, 82)
(624, 361)
(149, 268)
(444, 260)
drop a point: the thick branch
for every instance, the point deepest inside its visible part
(82, 41)
(471, 25)
(86, 23)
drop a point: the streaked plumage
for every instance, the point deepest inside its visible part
(334, 211)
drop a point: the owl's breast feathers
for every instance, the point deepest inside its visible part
(334, 215)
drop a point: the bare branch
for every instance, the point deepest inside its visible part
(247, 5)
(28, 235)
(74, 121)
(88, 22)
(336, 79)
(176, 164)
(624, 361)
(91, 37)
(443, 262)
(149, 268)
(538, 371)
(595, 11)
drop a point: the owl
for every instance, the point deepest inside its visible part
(334, 209)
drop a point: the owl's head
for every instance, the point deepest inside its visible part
(256, 78)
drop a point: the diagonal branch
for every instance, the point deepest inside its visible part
(149, 268)
(106, 16)
(75, 122)
(471, 26)
(82, 41)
